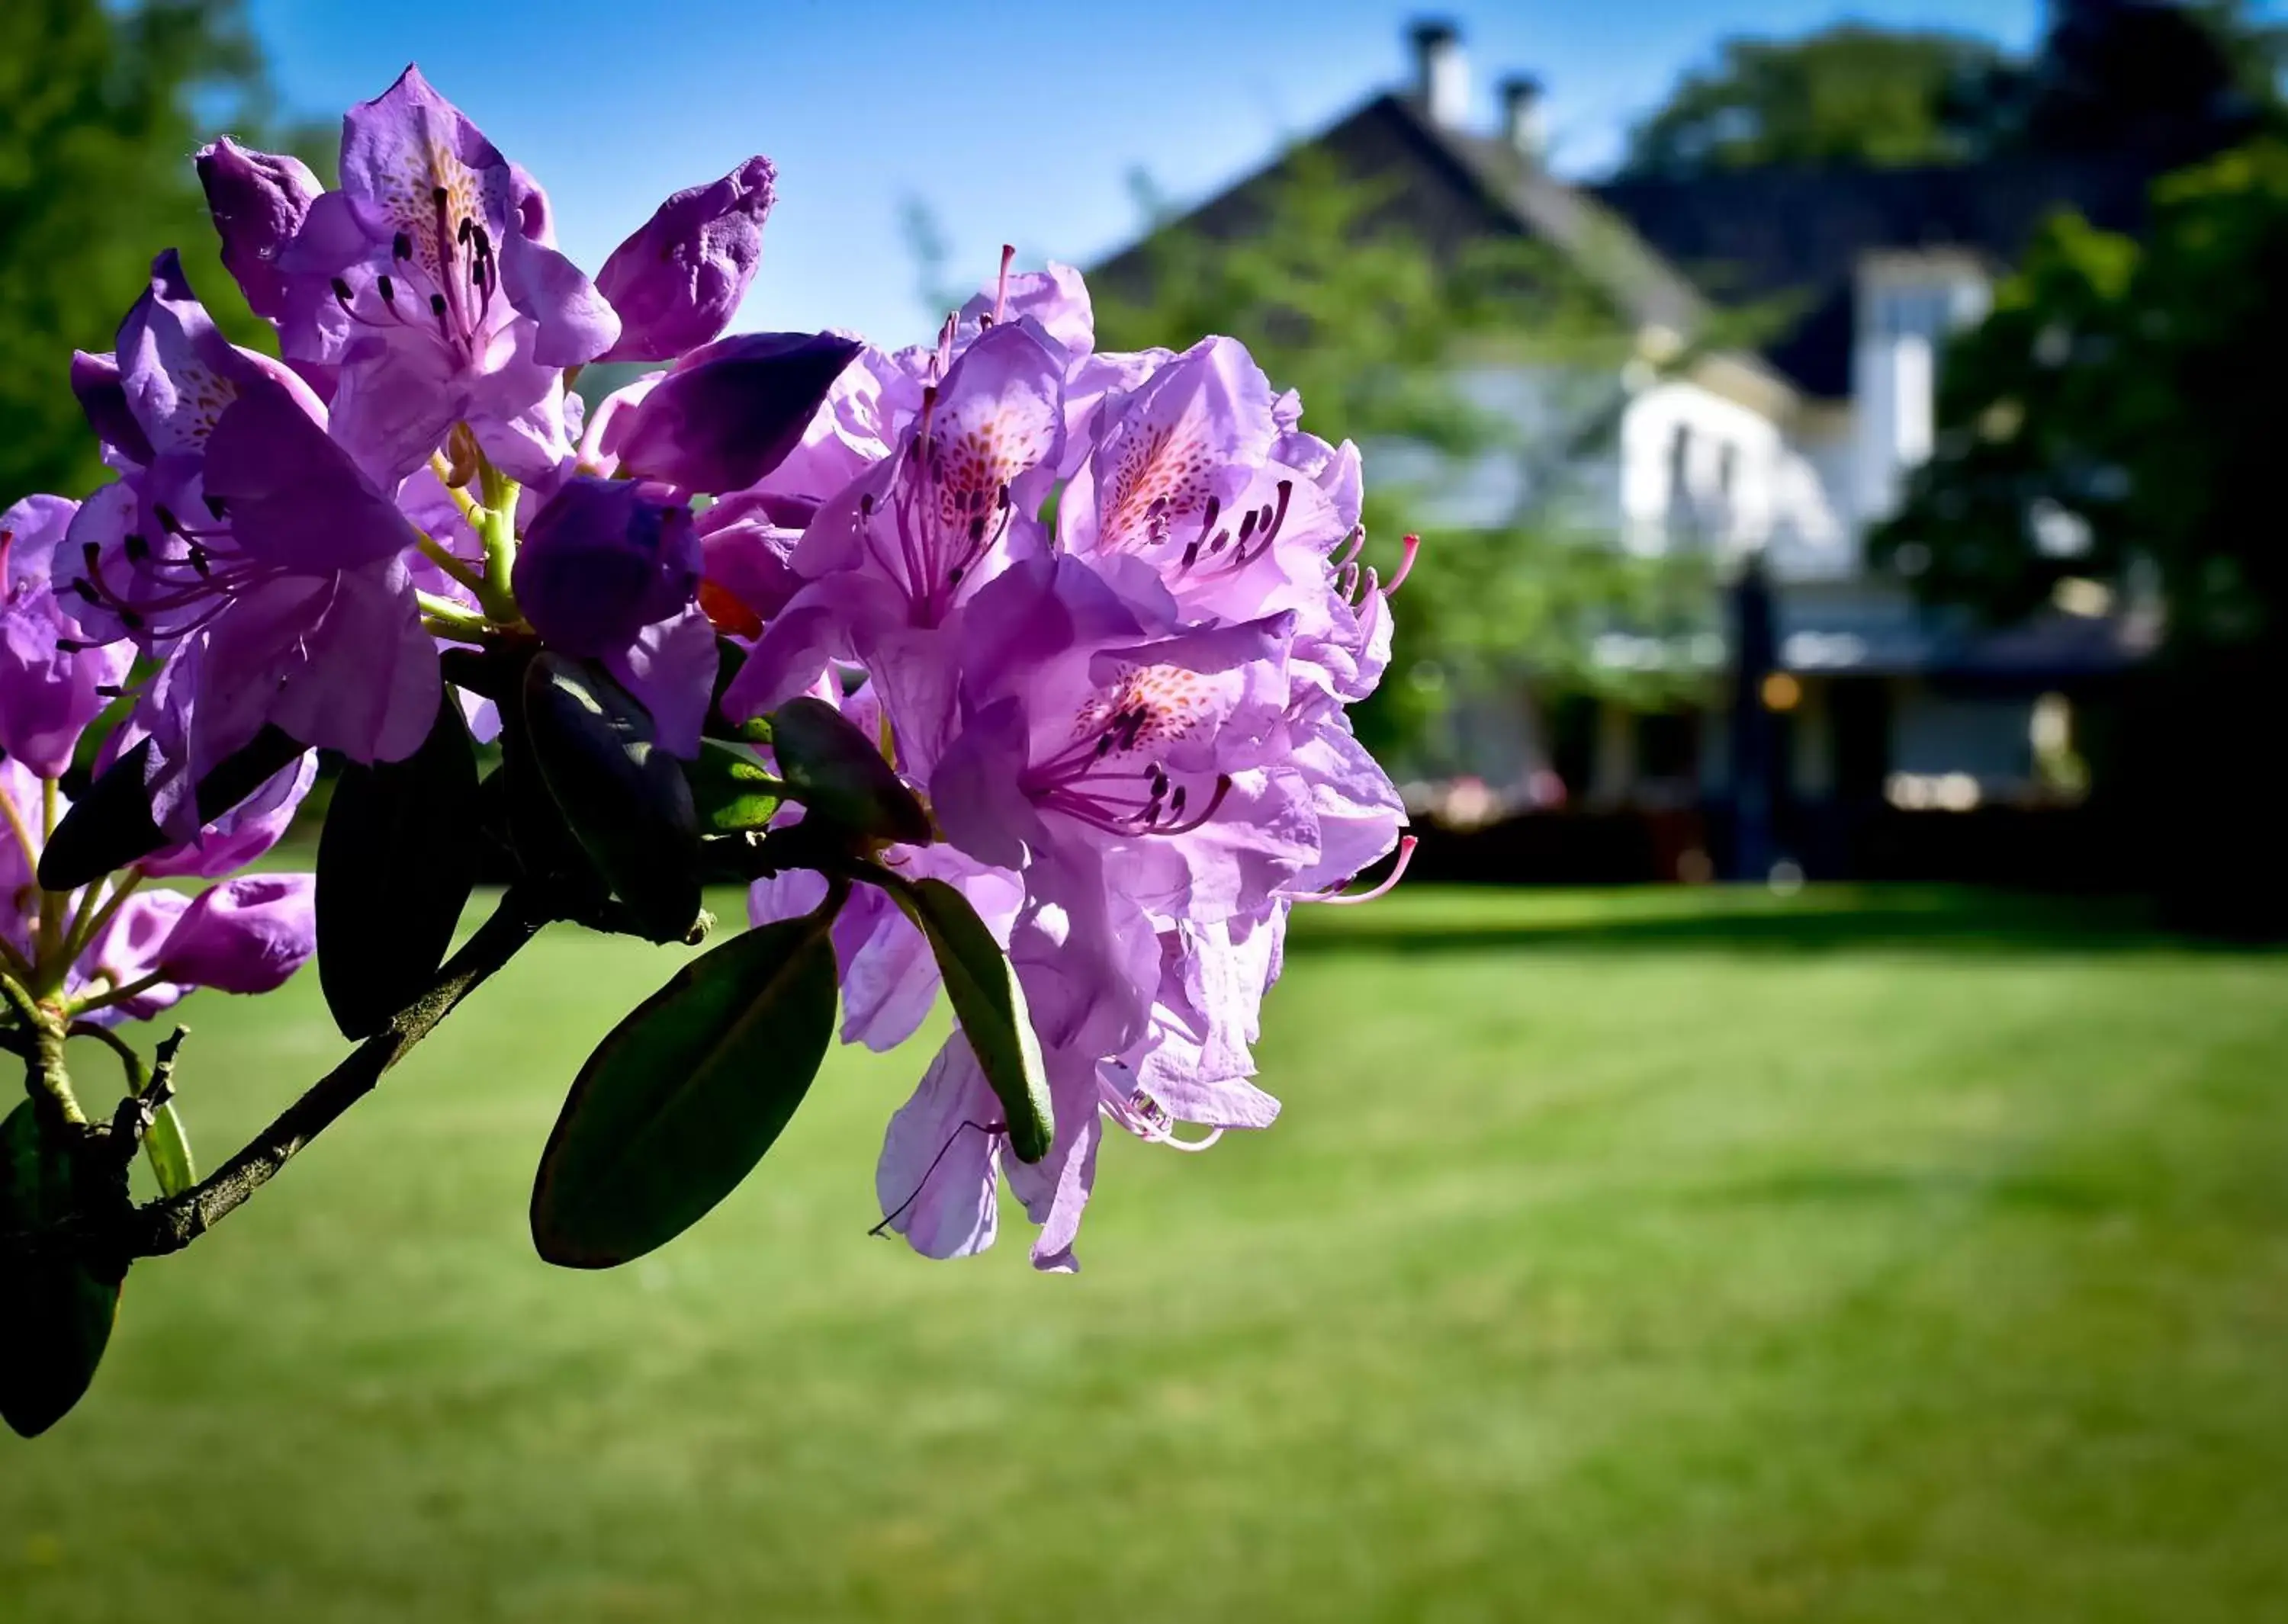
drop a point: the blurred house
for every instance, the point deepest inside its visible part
(1772, 456)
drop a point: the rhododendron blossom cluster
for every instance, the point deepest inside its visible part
(999, 665)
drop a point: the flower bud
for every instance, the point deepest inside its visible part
(677, 283)
(245, 935)
(731, 412)
(257, 200)
(602, 559)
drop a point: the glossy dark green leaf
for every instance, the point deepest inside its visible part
(168, 1146)
(991, 1006)
(625, 800)
(679, 1102)
(397, 862)
(110, 826)
(731, 790)
(837, 773)
(55, 1313)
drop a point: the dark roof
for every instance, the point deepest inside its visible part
(1458, 189)
(1667, 249)
(1797, 234)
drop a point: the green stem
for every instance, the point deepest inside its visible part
(84, 929)
(44, 1067)
(445, 559)
(119, 994)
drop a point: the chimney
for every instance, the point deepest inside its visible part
(1520, 100)
(1441, 78)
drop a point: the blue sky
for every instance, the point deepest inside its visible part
(1017, 121)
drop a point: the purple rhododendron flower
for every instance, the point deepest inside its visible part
(449, 300)
(51, 683)
(1104, 612)
(140, 951)
(677, 283)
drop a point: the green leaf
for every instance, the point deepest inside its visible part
(169, 1147)
(111, 825)
(837, 773)
(991, 1006)
(731, 791)
(625, 800)
(679, 1102)
(397, 862)
(55, 1312)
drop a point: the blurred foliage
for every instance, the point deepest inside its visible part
(102, 106)
(1413, 354)
(2175, 80)
(1851, 93)
(2114, 414)
(2114, 420)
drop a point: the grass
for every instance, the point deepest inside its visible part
(1658, 1256)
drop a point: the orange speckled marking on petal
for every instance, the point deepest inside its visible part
(1171, 701)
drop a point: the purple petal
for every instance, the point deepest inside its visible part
(677, 283)
(936, 1177)
(576, 324)
(95, 381)
(243, 834)
(295, 498)
(1055, 1189)
(604, 559)
(258, 200)
(729, 412)
(670, 667)
(245, 935)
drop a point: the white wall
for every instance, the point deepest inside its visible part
(1743, 485)
(1907, 305)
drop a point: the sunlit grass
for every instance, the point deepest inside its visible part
(1653, 1255)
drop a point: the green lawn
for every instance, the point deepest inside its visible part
(1669, 1257)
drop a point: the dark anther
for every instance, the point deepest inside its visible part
(1247, 525)
(468, 229)
(388, 291)
(342, 292)
(215, 506)
(86, 590)
(138, 549)
(1208, 514)
(400, 247)
(1191, 555)
(1176, 803)
(866, 505)
(437, 196)
(436, 304)
(199, 563)
(977, 528)
(73, 645)
(1104, 745)
(953, 577)
(129, 618)
(166, 517)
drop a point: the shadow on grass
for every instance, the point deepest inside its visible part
(1948, 922)
(1863, 1187)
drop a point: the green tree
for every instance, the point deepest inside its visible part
(1847, 94)
(2114, 420)
(2166, 78)
(1393, 346)
(101, 108)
